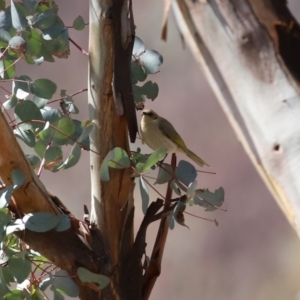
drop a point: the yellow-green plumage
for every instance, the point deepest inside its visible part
(158, 132)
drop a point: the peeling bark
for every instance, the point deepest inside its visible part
(248, 51)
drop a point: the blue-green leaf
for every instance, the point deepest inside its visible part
(66, 128)
(40, 102)
(72, 159)
(19, 266)
(178, 213)
(33, 159)
(18, 178)
(53, 154)
(148, 91)
(12, 102)
(138, 48)
(151, 61)
(210, 200)
(27, 136)
(64, 223)
(78, 23)
(120, 159)
(40, 221)
(27, 111)
(165, 174)
(45, 19)
(5, 218)
(5, 196)
(17, 44)
(63, 282)
(18, 19)
(185, 174)
(144, 194)
(43, 88)
(87, 276)
(192, 188)
(17, 225)
(155, 157)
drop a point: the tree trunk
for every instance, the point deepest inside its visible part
(249, 52)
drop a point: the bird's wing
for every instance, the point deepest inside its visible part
(168, 130)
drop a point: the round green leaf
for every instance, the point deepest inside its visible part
(138, 48)
(151, 61)
(148, 90)
(66, 126)
(22, 83)
(119, 159)
(192, 188)
(33, 159)
(18, 13)
(16, 225)
(137, 72)
(210, 200)
(43, 88)
(185, 174)
(17, 44)
(165, 172)
(45, 19)
(63, 282)
(26, 136)
(40, 221)
(73, 158)
(87, 276)
(52, 154)
(64, 223)
(34, 42)
(12, 102)
(40, 102)
(18, 178)
(40, 148)
(155, 157)
(5, 196)
(78, 23)
(9, 69)
(19, 266)
(27, 111)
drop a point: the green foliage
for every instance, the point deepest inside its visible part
(182, 180)
(87, 276)
(143, 63)
(78, 23)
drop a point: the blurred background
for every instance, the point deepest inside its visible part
(253, 253)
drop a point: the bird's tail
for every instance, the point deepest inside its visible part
(196, 158)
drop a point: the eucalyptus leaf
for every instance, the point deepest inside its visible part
(40, 221)
(210, 200)
(18, 178)
(43, 88)
(63, 282)
(151, 61)
(144, 194)
(87, 276)
(27, 112)
(72, 159)
(155, 157)
(185, 174)
(5, 196)
(19, 266)
(78, 23)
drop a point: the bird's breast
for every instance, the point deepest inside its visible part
(155, 138)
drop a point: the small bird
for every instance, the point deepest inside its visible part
(158, 132)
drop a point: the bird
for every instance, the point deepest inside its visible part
(158, 132)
